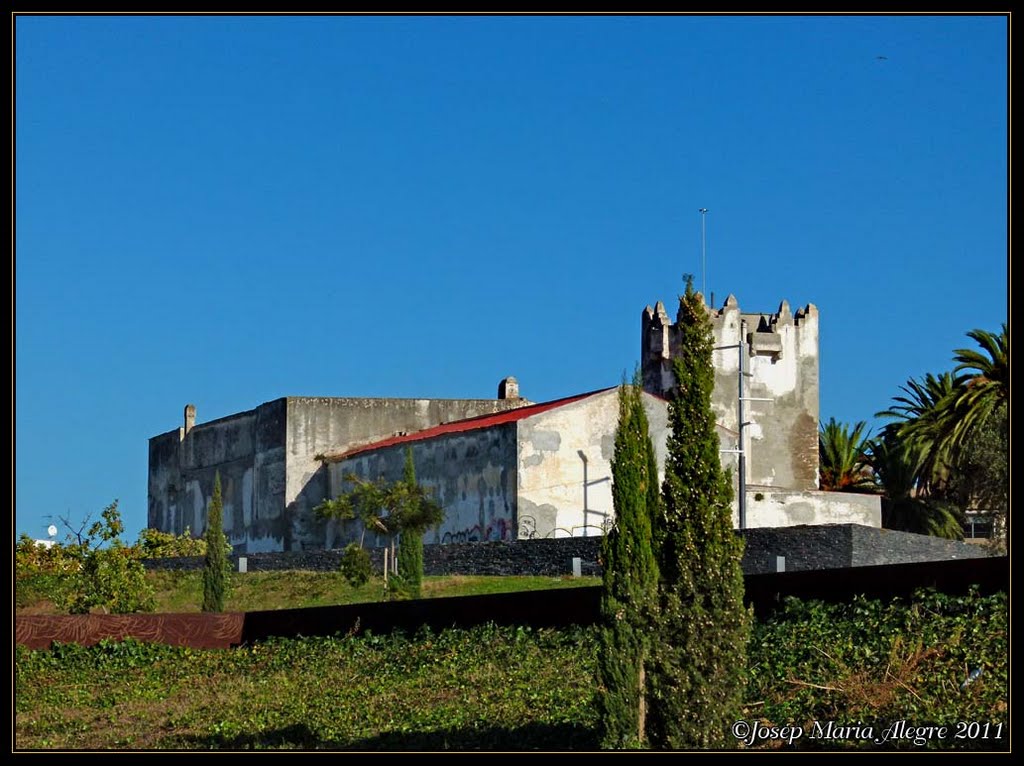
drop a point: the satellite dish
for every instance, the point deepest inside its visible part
(51, 530)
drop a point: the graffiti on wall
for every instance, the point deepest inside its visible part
(499, 529)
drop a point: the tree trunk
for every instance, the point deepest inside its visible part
(641, 719)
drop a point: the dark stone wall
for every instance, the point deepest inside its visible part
(831, 546)
(826, 546)
(514, 557)
(872, 547)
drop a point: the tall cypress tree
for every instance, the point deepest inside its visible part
(703, 627)
(215, 568)
(630, 579)
(410, 544)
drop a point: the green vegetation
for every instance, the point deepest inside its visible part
(154, 544)
(391, 509)
(183, 591)
(945, 452)
(216, 565)
(841, 457)
(865, 662)
(702, 627)
(410, 544)
(876, 663)
(96, 572)
(356, 566)
(630, 579)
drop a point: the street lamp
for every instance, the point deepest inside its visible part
(741, 453)
(583, 457)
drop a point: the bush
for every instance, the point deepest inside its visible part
(355, 565)
(155, 544)
(111, 579)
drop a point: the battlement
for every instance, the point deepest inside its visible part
(781, 357)
(764, 332)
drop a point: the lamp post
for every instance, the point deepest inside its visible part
(583, 457)
(741, 452)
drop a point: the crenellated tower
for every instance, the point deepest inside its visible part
(781, 359)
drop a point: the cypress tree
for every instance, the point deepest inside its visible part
(215, 569)
(630, 579)
(703, 627)
(410, 544)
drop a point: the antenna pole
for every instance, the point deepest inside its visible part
(703, 258)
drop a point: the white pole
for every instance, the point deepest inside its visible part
(703, 257)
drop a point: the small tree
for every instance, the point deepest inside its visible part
(388, 508)
(702, 626)
(410, 544)
(630, 578)
(841, 457)
(110, 577)
(215, 569)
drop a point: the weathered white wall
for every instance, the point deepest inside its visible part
(247, 450)
(767, 507)
(781, 356)
(320, 425)
(551, 470)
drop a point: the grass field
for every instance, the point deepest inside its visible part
(183, 591)
(513, 688)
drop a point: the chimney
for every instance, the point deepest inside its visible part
(508, 388)
(190, 417)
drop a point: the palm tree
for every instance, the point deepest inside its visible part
(841, 457)
(983, 391)
(925, 414)
(895, 464)
(938, 422)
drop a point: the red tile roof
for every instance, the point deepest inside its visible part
(469, 424)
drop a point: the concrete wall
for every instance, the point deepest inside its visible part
(318, 426)
(471, 473)
(770, 507)
(781, 354)
(560, 493)
(247, 451)
(270, 478)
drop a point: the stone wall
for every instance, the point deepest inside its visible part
(829, 546)
(871, 547)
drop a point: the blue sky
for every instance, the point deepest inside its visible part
(226, 210)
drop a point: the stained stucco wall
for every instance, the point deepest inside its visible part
(247, 451)
(560, 493)
(270, 478)
(769, 507)
(472, 474)
(320, 426)
(781, 356)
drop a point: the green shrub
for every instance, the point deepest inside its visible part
(110, 579)
(155, 544)
(355, 565)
